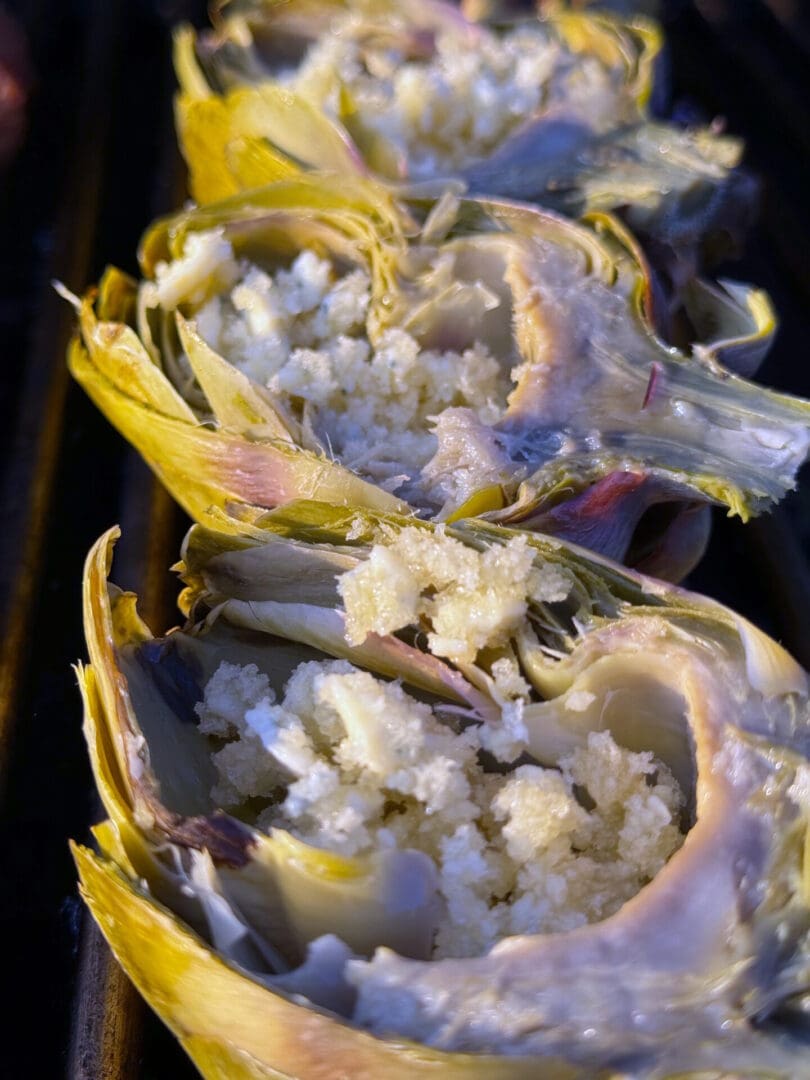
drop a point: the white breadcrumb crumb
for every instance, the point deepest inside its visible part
(579, 700)
(207, 265)
(460, 103)
(469, 599)
(353, 764)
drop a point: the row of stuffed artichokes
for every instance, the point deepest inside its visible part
(422, 786)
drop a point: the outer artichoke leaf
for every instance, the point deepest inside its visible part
(114, 350)
(138, 725)
(291, 127)
(190, 76)
(308, 521)
(120, 838)
(295, 128)
(104, 697)
(117, 296)
(206, 123)
(237, 401)
(357, 209)
(608, 39)
(734, 321)
(211, 1004)
(205, 468)
(325, 630)
(219, 1060)
(110, 847)
(284, 573)
(252, 162)
(112, 783)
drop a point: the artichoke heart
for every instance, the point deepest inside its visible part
(312, 339)
(551, 109)
(403, 798)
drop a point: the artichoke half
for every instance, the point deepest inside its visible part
(269, 955)
(551, 110)
(311, 340)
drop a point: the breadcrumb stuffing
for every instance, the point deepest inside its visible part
(458, 104)
(301, 332)
(353, 764)
(469, 599)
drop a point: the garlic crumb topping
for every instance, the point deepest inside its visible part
(353, 764)
(458, 104)
(302, 333)
(469, 599)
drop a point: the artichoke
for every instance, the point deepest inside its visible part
(551, 110)
(288, 934)
(312, 340)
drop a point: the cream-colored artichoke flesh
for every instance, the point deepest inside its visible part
(600, 420)
(254, 106)
(706, 970)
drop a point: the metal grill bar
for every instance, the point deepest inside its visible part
(28, 489)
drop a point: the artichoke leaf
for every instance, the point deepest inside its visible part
(237, 402)
(120, 357)
(297, 129)
(284, 573)
(361, 212)
(322, 629)
(204, 468)
(237, 582)
(247, 161)
(260, 1033)
(734, 321)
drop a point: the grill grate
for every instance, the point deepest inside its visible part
(99, 162)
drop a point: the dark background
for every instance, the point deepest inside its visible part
(98, 163)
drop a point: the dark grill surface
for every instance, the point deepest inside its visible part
(99, 162)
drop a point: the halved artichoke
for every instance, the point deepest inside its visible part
(495, 360)
(706, 971)
(551, 110)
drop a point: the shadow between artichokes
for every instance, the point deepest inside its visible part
(706, 970)
(595, 426)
